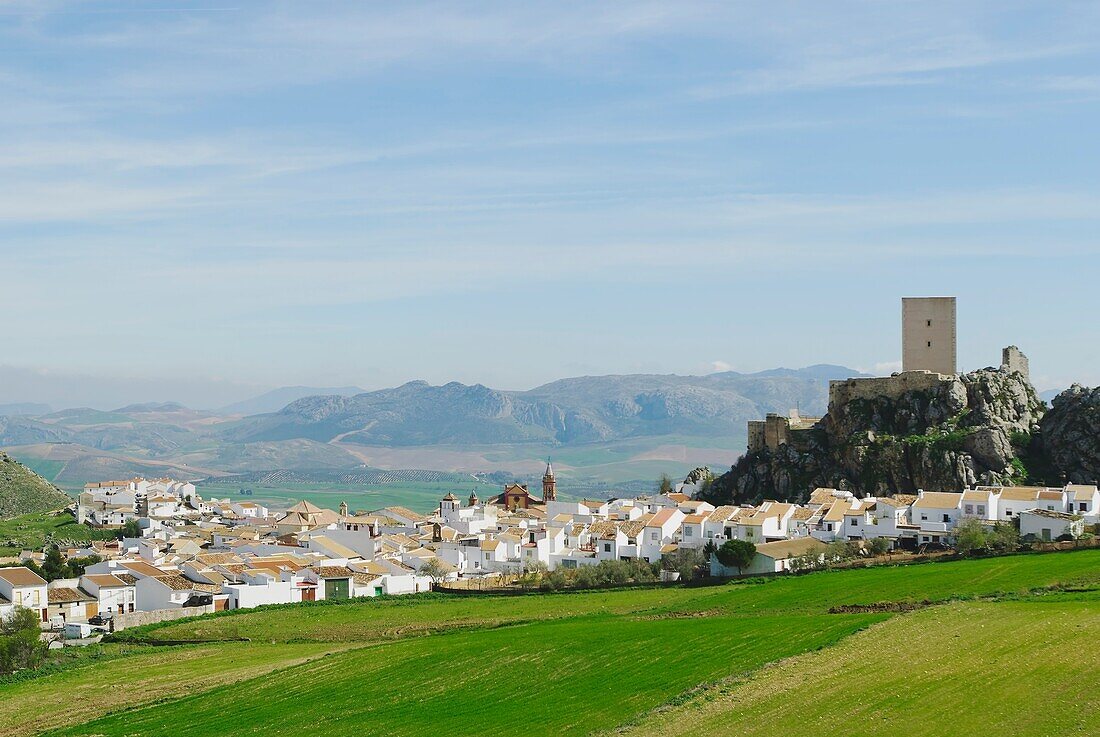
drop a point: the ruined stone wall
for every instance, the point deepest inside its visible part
(136, 619)
(842, 392)
(1013, 359)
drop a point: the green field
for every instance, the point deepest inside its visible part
(29, 532)
(763, 656)
(1009, 668)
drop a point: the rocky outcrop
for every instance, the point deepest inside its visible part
(1071, 434)
(948, 433)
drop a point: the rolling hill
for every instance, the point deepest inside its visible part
(22, 491)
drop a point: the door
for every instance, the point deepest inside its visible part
(309, 594)
(90, 610)
(337, 588)
(220, 605)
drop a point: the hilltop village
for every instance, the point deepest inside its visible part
(191, 555)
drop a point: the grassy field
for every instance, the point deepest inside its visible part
(29, 532)
(371, 620)
(441, 685)
(95, 689)
(710, 660)
(1005, 669)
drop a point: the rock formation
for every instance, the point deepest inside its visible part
(1071, 434)
(908, 432)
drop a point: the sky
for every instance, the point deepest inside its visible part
(202, 200)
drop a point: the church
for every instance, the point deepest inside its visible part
(517, 496)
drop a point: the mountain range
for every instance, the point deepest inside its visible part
(325, 430)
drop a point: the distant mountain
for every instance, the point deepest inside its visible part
(150, 407)
(576, 410)
(276, 399)
(22, 491)
(28, 409)
(1049, 395)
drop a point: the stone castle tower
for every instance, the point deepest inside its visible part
(549, 485)
(928, 334)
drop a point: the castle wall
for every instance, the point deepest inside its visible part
(841, 392)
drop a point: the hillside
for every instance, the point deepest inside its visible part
(702, 660)
(953, 433)
(569, 411)
(22, 491)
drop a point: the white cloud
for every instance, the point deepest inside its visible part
(718, 366)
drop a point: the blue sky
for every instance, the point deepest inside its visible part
(226, 196)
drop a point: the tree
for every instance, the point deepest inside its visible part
(736, 554)
(878, 546)
(20, 643)
(130, 529)
(664, 484)
(53, 567)
(1003, 538)
(689, 562)
(435, 569)
(77, 566)
(970, 537)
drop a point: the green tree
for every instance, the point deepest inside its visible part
(130, 529)
(689, 562)
(1003, 538)
(53, 567)
(20, 644)
(736, 554)
(77, 566)
(970, 537)
(664, 484)
(878, 546)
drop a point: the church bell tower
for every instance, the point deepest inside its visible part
(549, 485)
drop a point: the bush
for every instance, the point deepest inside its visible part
(20, 644)
(689, 562)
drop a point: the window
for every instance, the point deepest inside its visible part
(607, 547)
(689, 532)
(970, 509)
(981, 509)
(947, 518)
(853, 522)
(924, 518)
(929, 344)
(729, 532)
(654, 536)
(929, 323)
(1008, 513)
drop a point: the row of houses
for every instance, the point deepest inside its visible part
(224, 554)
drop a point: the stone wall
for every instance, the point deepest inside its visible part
(842, 392)
(136, 619)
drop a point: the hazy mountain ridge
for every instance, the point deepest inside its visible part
(323, 431)
(576, 410)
